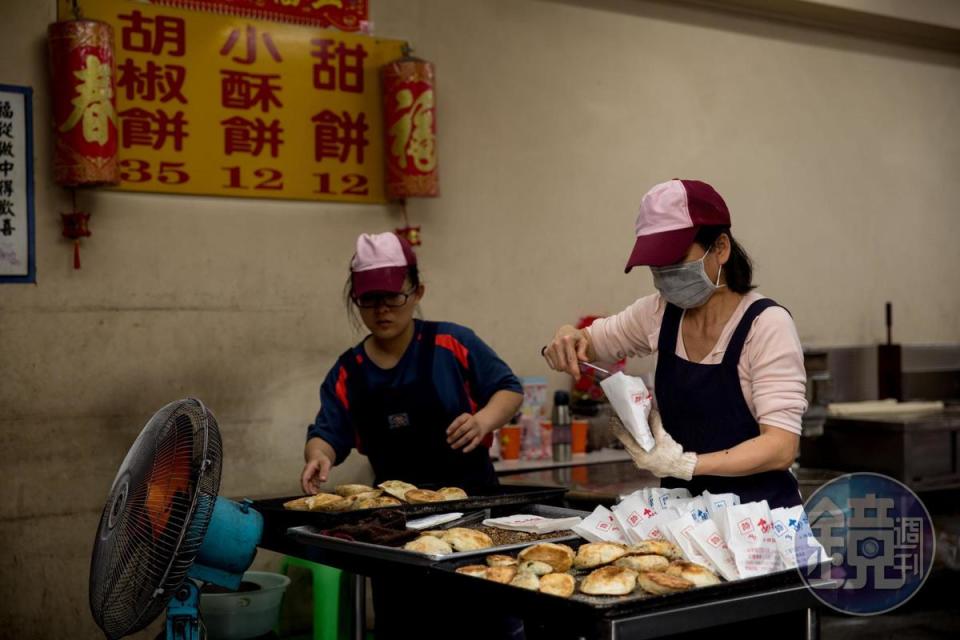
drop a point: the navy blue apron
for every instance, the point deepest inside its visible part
(404, 434)
(403, 429)
(703, 408)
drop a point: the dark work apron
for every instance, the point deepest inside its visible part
(403, 429)
(703, 408)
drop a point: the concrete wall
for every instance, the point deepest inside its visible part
(838, 157)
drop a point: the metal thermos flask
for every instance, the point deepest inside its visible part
(562, 437)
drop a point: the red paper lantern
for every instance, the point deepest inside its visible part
(409, 107)
(84, 103)
(82, 71)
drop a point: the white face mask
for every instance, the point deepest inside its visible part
(686, 285)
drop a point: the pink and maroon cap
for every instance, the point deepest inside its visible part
(670, 215)
(380, 263)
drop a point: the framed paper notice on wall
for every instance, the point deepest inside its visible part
(17, 262)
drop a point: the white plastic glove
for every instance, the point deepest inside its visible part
(666, 459)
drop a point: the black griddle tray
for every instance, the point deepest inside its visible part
(637, 603)
(341, 552)
(277, 520)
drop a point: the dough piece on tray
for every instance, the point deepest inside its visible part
(558, 556)
(610, 581)
(396, 488)
(502, 575)
(698, 574)
(429, 544)
(596, 554)
(422, 496)
(374, 503)
(639, 562)
(558, 584)
(661, 584)
(299, 504)
(463, 539)
(453, 493)
(475, 570)
(498, 560)
(535, 567)
(657, 547)
(347, 490)
(327, 502)
(526, 580)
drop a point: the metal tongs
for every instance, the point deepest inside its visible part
(606, 374)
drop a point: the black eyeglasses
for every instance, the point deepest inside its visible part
(374, 300)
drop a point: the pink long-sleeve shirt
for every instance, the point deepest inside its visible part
(771, 370)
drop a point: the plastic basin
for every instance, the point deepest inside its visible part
(244, 614)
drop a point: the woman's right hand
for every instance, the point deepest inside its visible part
(569, 347)
(317, 454)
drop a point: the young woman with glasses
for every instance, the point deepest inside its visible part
(417, 397)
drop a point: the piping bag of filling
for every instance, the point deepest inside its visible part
(632, 401)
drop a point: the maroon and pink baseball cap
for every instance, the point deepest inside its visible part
(381, 263)
(670, 215)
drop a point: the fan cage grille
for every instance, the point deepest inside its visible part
(172, 477)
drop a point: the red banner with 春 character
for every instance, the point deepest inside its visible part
(84, 103)
(345, 15)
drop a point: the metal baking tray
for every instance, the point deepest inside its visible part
(639, 617)
(341, 551)
(639, 602)
(276, 519)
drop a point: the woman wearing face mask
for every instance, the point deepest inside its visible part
(730, 382)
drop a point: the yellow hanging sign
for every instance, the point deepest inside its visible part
(221, 105)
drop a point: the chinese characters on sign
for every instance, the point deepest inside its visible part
(16, 185)
(228, 105)
(345, 15)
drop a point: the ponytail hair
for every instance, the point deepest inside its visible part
(739, 268)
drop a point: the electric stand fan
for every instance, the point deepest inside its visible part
(163, 528)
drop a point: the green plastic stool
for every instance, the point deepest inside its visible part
(326, 598)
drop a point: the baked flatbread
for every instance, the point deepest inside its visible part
(463, 539)
(698, 574)
(420, 496)
(502, 575)
(558, 556)
(657, 547)
(374, 503)
(327, 502)
(610, 581)
(453, 493)
(595, 554)
(347, 490)
(536, 567)
(526, 580)
(475, 570)
(643, 562)
(497, 560)
(557, 584)
(396, 488)
(300, 504)
(660, 584)
(429, 544)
